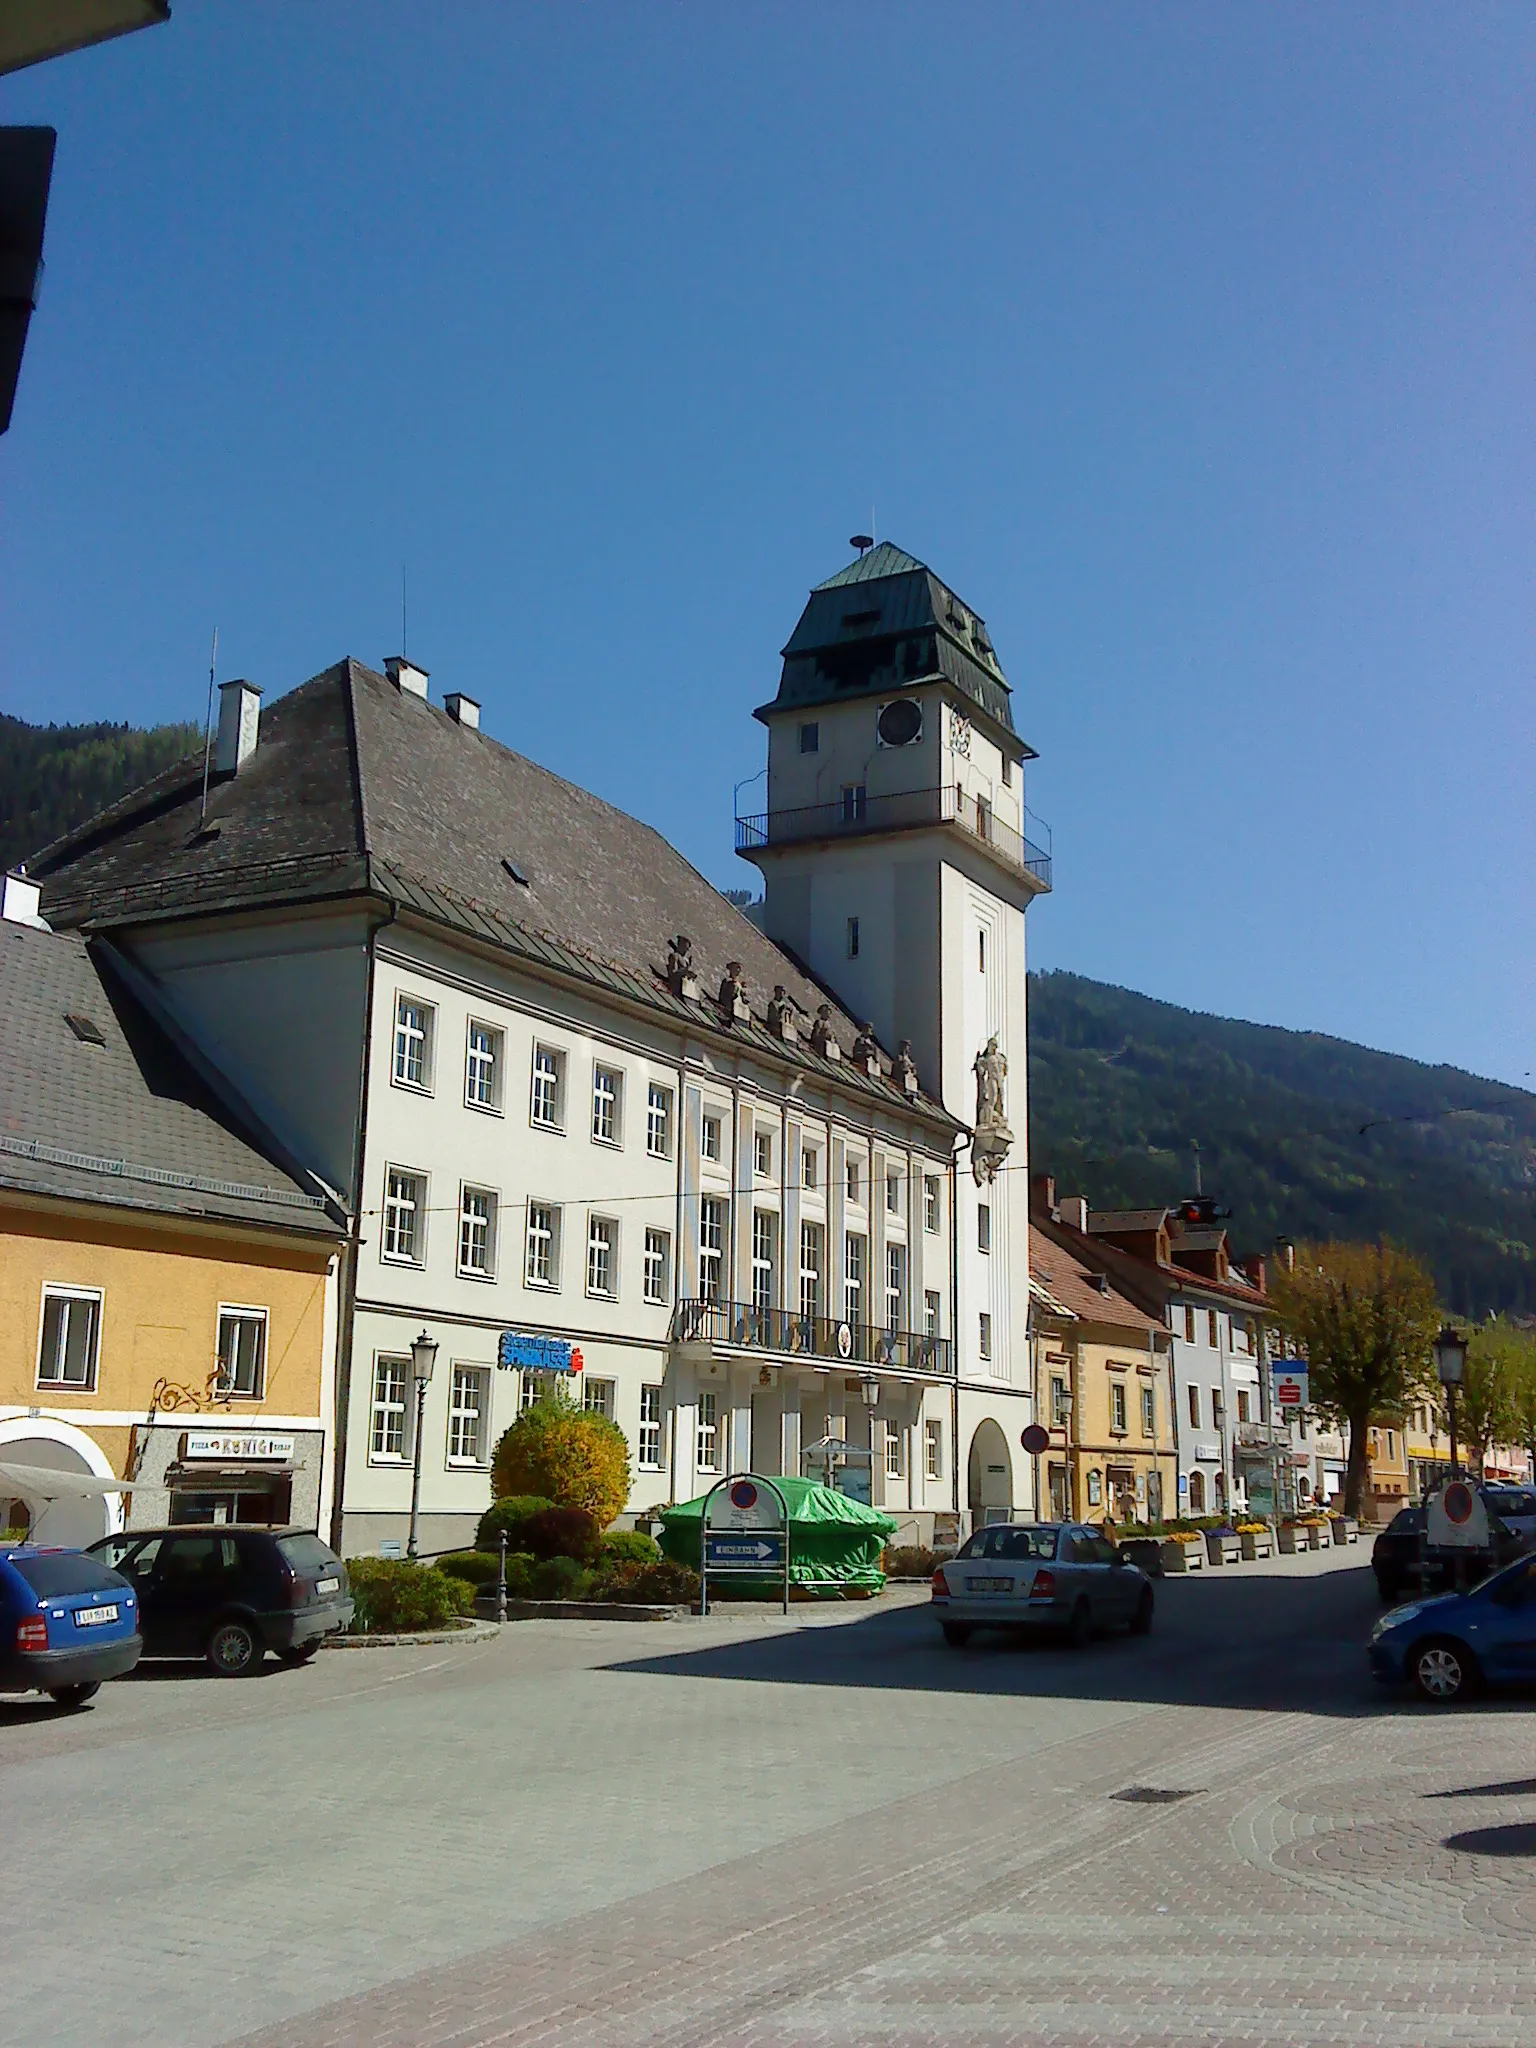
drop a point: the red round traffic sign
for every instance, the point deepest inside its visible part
(1035, 1439)
(743, 1495)
(1457, 1502)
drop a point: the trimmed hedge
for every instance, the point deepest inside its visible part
(574, 1456)
(509, 1513)
(477, 1566)
(628, 1546)
(395, 1596)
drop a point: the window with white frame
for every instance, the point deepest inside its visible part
(387, 1437)
(895, 1440)
(983, 1226)
(709, 1138)
(530, 1391)
(468, 1401)
(708, 1446)
(762, 1154)
(70, 1339)
(607, 1093)
(1061, 1402)
(414, 1025)
(933, 1448)
(931, 1312)
(547, 1107)
(1117, 1411)
(851, 1179)
(809, 1168)
(649, 1448)
(482, 1066)
(658, 1121)
(541, 1260)
(602, 1256)
(1149, 1411)
(597, 1396)
(984, 1335)
(812, 1250)
(711, 1247)
(242, 1352)
(854, 1246)
(895, 1285)
(477, 1233)
(765, 1244)
(405, 1216)
(930, 1201)
(658, 1265)
(892, 1193)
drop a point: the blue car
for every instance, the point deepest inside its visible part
(67, 1623)
(1450, 1645)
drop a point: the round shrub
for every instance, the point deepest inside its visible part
(561, 1532)
(509, 1513)
(477, 1566)
(661, 1584)
(576, 1458)
(561, 1578)
(395, 1596)
(631, 1546)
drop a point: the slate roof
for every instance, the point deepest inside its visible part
(357, 787)
(1067, 1279)
(124, 1122)
(887, 623)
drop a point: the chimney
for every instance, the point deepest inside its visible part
(1042, 1191)
(1253, 1266)
(1285, 1252)
(239, 726)
(462, 710)
(405, 675)
(21, 900)
(1074, 1212)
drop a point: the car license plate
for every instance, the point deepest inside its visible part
(91, 1617)
(989, 1585)
(327, 1585)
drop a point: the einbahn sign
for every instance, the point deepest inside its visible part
(744, 1533)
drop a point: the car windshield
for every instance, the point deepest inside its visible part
(307, 1552)
(1406, 1522)
(66, 1572)
(1011, 1540)
(1510, 1502)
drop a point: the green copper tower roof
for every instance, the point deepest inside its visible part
(886, 623)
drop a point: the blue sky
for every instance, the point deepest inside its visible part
(1192, 345)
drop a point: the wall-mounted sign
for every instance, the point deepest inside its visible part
(1290, 1385)
(529, 1351)
(235, 1446)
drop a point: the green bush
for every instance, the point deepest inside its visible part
(463, 1594)
(395, 1596)
(561, 1532)
(662, 1584)
(509, 1513)
(520, 1570)
(911, 1561)
(561, 1578)
(628, 1546)
(574, 1456)
(478, 1566)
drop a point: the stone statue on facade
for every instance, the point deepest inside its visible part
(866, 1050)
(680, 977)
(823, 1039)
(904, 1068)
(733, 993)
(992, 1139)
(781, 1012)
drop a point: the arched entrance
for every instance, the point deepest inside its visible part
(72, 1520)
(991, 1475)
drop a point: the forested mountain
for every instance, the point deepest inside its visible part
(53, 777)
(1300, 1135)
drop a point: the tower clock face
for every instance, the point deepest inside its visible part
(900, 724)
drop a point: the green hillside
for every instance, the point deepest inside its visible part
(1120, 1085)
(53, 777)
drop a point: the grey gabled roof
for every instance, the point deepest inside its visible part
(359, 788)
(106, 1110)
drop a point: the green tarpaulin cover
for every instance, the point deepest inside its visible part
(834, 1542)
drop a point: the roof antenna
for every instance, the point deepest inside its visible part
(1194, 1146)
(402, 611)
(213, 660)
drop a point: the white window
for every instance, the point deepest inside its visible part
(930, 1201)
(1117, 1421)
(242, 1352)
(597, 1396)
(658, 1265)
(548, 1106)
(650, 1428)
(812, 1241)
(893, 1194)
(1149, 1411)
(528, 1392)
(711, 1247)
(414, 1022)
(1061, 1403)
(895, 1285)
(710, 1139)
(931, 1312)
(71, 1338)
(477, 1233)
(762, 1154)
(468, 1400)
(482, 1067)
(607, 1089)
(853, 1276)
(933, 1448)
(853, 938)
(894, 1439)
(602, 1255)
(658, 1121)
(986, 1335)
(765, 1226)
(809, 1172)
(541, 1264)
(390, 1376)
(405, 1215)
(851, 1179)
(709, 1432)
(983, 1227)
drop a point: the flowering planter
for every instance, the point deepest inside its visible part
(1290, 1540)
(1183, 1557)
(1256, 1543)
(1314, 1536)
(1222, 1548)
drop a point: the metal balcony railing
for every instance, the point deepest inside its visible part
(855, 813)
(738, 1325)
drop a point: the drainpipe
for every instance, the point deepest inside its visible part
(954, 1321)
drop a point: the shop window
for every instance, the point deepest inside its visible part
(242, 1353)
(71, 1339)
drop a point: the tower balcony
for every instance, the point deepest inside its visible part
(859, 816)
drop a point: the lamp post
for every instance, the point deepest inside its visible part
(1450, 1366)
(423, 1358)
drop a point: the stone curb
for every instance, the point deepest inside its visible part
(591, 1610)
(463, 1632)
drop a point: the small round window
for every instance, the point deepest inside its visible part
(900, 723)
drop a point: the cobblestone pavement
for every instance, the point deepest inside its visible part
(831, 1830)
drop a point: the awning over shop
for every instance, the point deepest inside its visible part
(47, 1482)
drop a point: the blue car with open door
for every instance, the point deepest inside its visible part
(68, 1622)
(1449, 1646)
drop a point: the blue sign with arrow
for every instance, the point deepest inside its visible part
(725, 1551)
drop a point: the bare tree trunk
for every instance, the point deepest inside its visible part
(1357, 1471)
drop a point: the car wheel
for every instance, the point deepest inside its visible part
(1080, 1626)
(1141, 1620)
(73, 1695)
(234, 1650)
(300, 1654)
(957, 1633)
(1442, 1670)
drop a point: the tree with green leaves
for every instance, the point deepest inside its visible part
(1511, 1355)
(1486, 1400)
(1365, 1315)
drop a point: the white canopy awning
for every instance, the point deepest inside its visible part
(47, 1482)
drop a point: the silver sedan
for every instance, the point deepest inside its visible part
(1041, 1575)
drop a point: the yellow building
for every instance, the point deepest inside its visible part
(1102, 1391)
(167, 1288)
(1387, 1453)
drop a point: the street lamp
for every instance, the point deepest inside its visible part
(1451, 1365)
(423, 1358)
(869, 1387)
